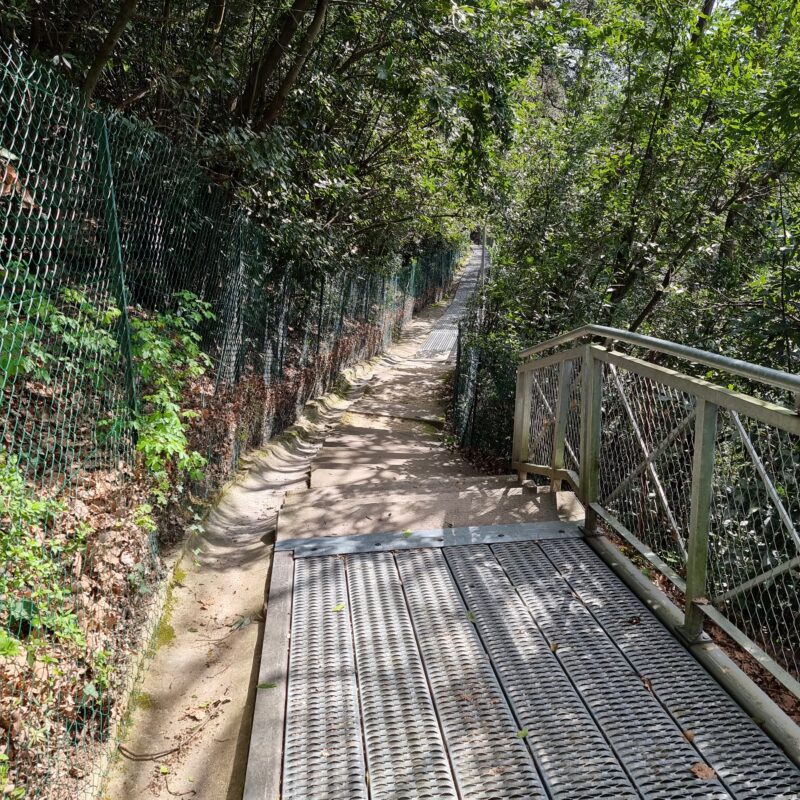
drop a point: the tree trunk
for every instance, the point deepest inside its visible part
(215, 16)
(273, 110)
(104, 53)
(266, 65)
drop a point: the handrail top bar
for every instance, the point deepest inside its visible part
(775, 377)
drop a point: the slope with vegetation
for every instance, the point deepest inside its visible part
(208, 209)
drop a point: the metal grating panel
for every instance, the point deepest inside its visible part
(542, 697)
(744, 757)
(323, 756)
(647, 740)
(405, 753)
(442, 339)
(489, 760)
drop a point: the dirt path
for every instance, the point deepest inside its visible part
(197, 693)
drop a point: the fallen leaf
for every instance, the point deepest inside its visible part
(522, 734)
(266, 685)
(689, 735)
(703, 771)
(554, 647)
(337, 608)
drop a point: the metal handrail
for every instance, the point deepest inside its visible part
(734, 366)
(599, 366)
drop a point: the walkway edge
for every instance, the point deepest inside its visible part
(264, 761)
(764, 711)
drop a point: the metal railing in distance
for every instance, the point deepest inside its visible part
(702, 481)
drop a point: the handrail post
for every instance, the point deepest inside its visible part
(705, 432)
(522, 421)
(562, 414)
(591, 426)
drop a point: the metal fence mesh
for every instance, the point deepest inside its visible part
(646, 460)
(133, 291)
(572, 431)
(544, 387)
(754, 545)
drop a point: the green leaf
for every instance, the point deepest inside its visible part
(522, 734)
(90, 690)
(266, 685)
(337, 608)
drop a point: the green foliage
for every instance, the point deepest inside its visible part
(166, 349)
(9, 646)
(45, 329)
(34, 591)
(651, 179)
(9, 791)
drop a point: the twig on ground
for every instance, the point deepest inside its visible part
(191, 792)
(129, 754)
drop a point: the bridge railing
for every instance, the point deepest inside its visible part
(703, 481)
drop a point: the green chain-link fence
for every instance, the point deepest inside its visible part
(483, 393)
(484, 383)
(147, 338)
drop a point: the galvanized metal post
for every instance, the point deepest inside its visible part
(522, 421)
(118, 286)
(705, 432)
(562, 414)
(591, 427)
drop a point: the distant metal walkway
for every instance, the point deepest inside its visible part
(442, 339)
(488, 670)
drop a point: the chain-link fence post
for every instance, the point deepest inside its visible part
(118, 286)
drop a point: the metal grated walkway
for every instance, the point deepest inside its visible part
(442, 339)
(499, 670)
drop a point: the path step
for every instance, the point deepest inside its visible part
(434, 537)
(438, 485)
(392, 511)
(349, 474)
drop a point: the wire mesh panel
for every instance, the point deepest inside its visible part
(717, 513)
(754, 543)
(544, 389)
(646, 460)
(572, 427)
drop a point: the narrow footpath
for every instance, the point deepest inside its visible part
(383, 426)
(432, 632)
